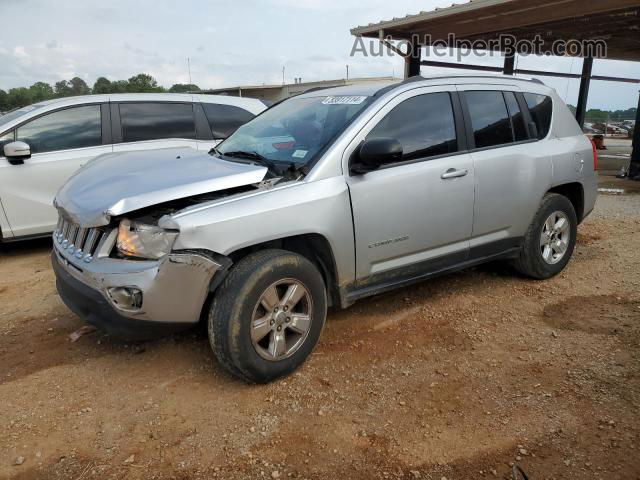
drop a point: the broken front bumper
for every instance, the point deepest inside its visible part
(166, 295)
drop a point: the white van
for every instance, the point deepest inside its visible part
(60, 136)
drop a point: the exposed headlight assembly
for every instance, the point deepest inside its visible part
(140, 240)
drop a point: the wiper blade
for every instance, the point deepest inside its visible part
(255, 156)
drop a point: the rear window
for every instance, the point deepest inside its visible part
(156, 121)
(489, 118)
(541, 108)
(225, 119)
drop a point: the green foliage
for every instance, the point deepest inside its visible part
(102, 86)
(19, 97)
(63, 89)
(119, 86)
(184, 88)
(595, 115)
(40, 91)
(4, 101)
(79, 86)
(143, 83)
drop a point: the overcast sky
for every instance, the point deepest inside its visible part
(229, 43)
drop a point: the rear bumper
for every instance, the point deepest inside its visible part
(173, 292)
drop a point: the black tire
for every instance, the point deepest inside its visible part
(530, 262)
(232, 309)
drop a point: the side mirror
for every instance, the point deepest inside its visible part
(17, 152)
(375, 153)
(533, 130)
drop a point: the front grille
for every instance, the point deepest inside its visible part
(82, 243)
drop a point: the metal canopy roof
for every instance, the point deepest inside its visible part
(615, 21)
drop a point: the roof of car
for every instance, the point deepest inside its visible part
(158, 97)
(370, 90)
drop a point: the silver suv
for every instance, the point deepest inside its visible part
(325, 198)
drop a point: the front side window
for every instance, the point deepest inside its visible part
(295, 132)
(541, 108)
(4, 139)
(156, 121)
(489, 118)
(424, 125)
(225, 119)
(77, 127)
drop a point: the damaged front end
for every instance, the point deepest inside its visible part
(115, 265)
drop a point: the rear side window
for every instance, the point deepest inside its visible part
(541, 108)
(517, 118)
(489, 118)
(77, 127)
(225, 119)
(156, 121)
(424, 125)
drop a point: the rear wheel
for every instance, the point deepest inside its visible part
(267, 316)
(550, 240)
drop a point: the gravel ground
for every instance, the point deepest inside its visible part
(456, 378)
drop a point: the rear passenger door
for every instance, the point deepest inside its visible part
(222, 121)
(150, 125)
(511, 172)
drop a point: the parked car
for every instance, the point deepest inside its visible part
(376, 188)
(42, 145)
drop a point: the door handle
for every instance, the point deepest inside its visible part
(454, 173)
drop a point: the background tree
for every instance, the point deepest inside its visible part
(120, 86)
(63, 89)
(41, 91)
(102, 86)
(79, 86)
(143, 83)
(183, 88)
(4, 101)
(19, 97)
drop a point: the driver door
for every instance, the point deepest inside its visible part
(414, 217)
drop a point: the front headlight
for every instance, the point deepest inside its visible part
(144, 241)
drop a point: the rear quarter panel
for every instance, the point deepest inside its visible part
(572, 154)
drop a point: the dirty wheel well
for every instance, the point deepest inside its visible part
(312, 246)
(575, 193)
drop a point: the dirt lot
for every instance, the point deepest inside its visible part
(455, 378)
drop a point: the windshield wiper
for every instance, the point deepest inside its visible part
(255, 156)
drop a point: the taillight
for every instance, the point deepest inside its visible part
(595, 156)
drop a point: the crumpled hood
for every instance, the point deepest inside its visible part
(118, 183)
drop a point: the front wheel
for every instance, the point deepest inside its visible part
(550, 240)
(267, 316)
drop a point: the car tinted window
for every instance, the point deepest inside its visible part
(541, 108)
(424, 125)
(517, 118)
(225, 119)
(489, 118)
(4, 139)
(77, 127)
(156, 121)
(296, 131)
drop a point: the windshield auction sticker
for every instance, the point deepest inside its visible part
(344, 100)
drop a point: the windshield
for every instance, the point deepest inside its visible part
(12, 115)
(295, 132)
